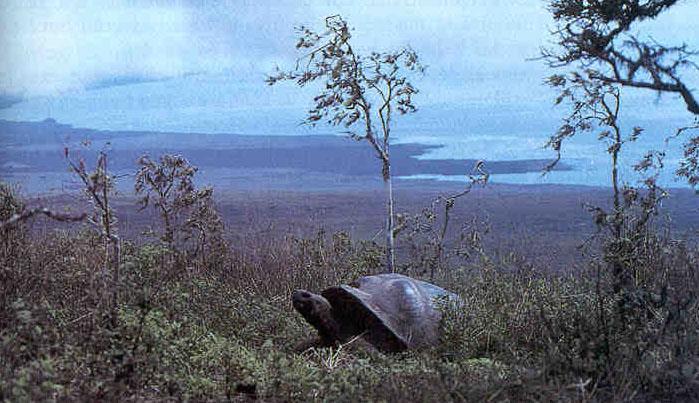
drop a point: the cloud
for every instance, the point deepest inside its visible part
(56, 46)
(7, 101)
(114, 81)
(50, 47)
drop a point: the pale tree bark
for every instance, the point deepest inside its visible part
(390, 233)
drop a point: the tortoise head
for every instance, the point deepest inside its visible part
(318, 312)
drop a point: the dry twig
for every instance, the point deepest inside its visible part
(27, 214)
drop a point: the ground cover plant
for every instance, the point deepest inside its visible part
(186, 328)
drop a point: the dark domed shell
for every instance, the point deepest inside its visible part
(394, 311)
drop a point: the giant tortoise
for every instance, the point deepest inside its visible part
(393, 312)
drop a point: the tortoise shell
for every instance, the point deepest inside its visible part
(391, 311)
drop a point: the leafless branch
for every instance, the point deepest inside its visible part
(596, 35)
(27, 214)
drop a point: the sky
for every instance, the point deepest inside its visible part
(57, 46)
(199, 66)
(51, 47)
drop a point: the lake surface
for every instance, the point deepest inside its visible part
(491, 130)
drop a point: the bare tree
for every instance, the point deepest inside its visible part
(99, 187)
(595, 105)
(427, 236)
(595, 34)
(13, 211)
(358, 90)
(168, 185)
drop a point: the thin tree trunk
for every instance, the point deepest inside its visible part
(621, 276)
(390, 240)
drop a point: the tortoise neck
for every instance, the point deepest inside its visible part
(322, 318)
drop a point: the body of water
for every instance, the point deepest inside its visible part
(493, 130)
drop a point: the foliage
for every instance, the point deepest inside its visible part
(353, 80)
(189, 214)
(619, 326)
(426, 232)
(689, 166)
(10, 204)
(595, 106)
(357, 90)
(596, 34)
(98, 186)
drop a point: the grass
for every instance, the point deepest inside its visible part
(188, 329)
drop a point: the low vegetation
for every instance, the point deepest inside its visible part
(183, 327)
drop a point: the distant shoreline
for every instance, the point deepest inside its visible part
(32, 153)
